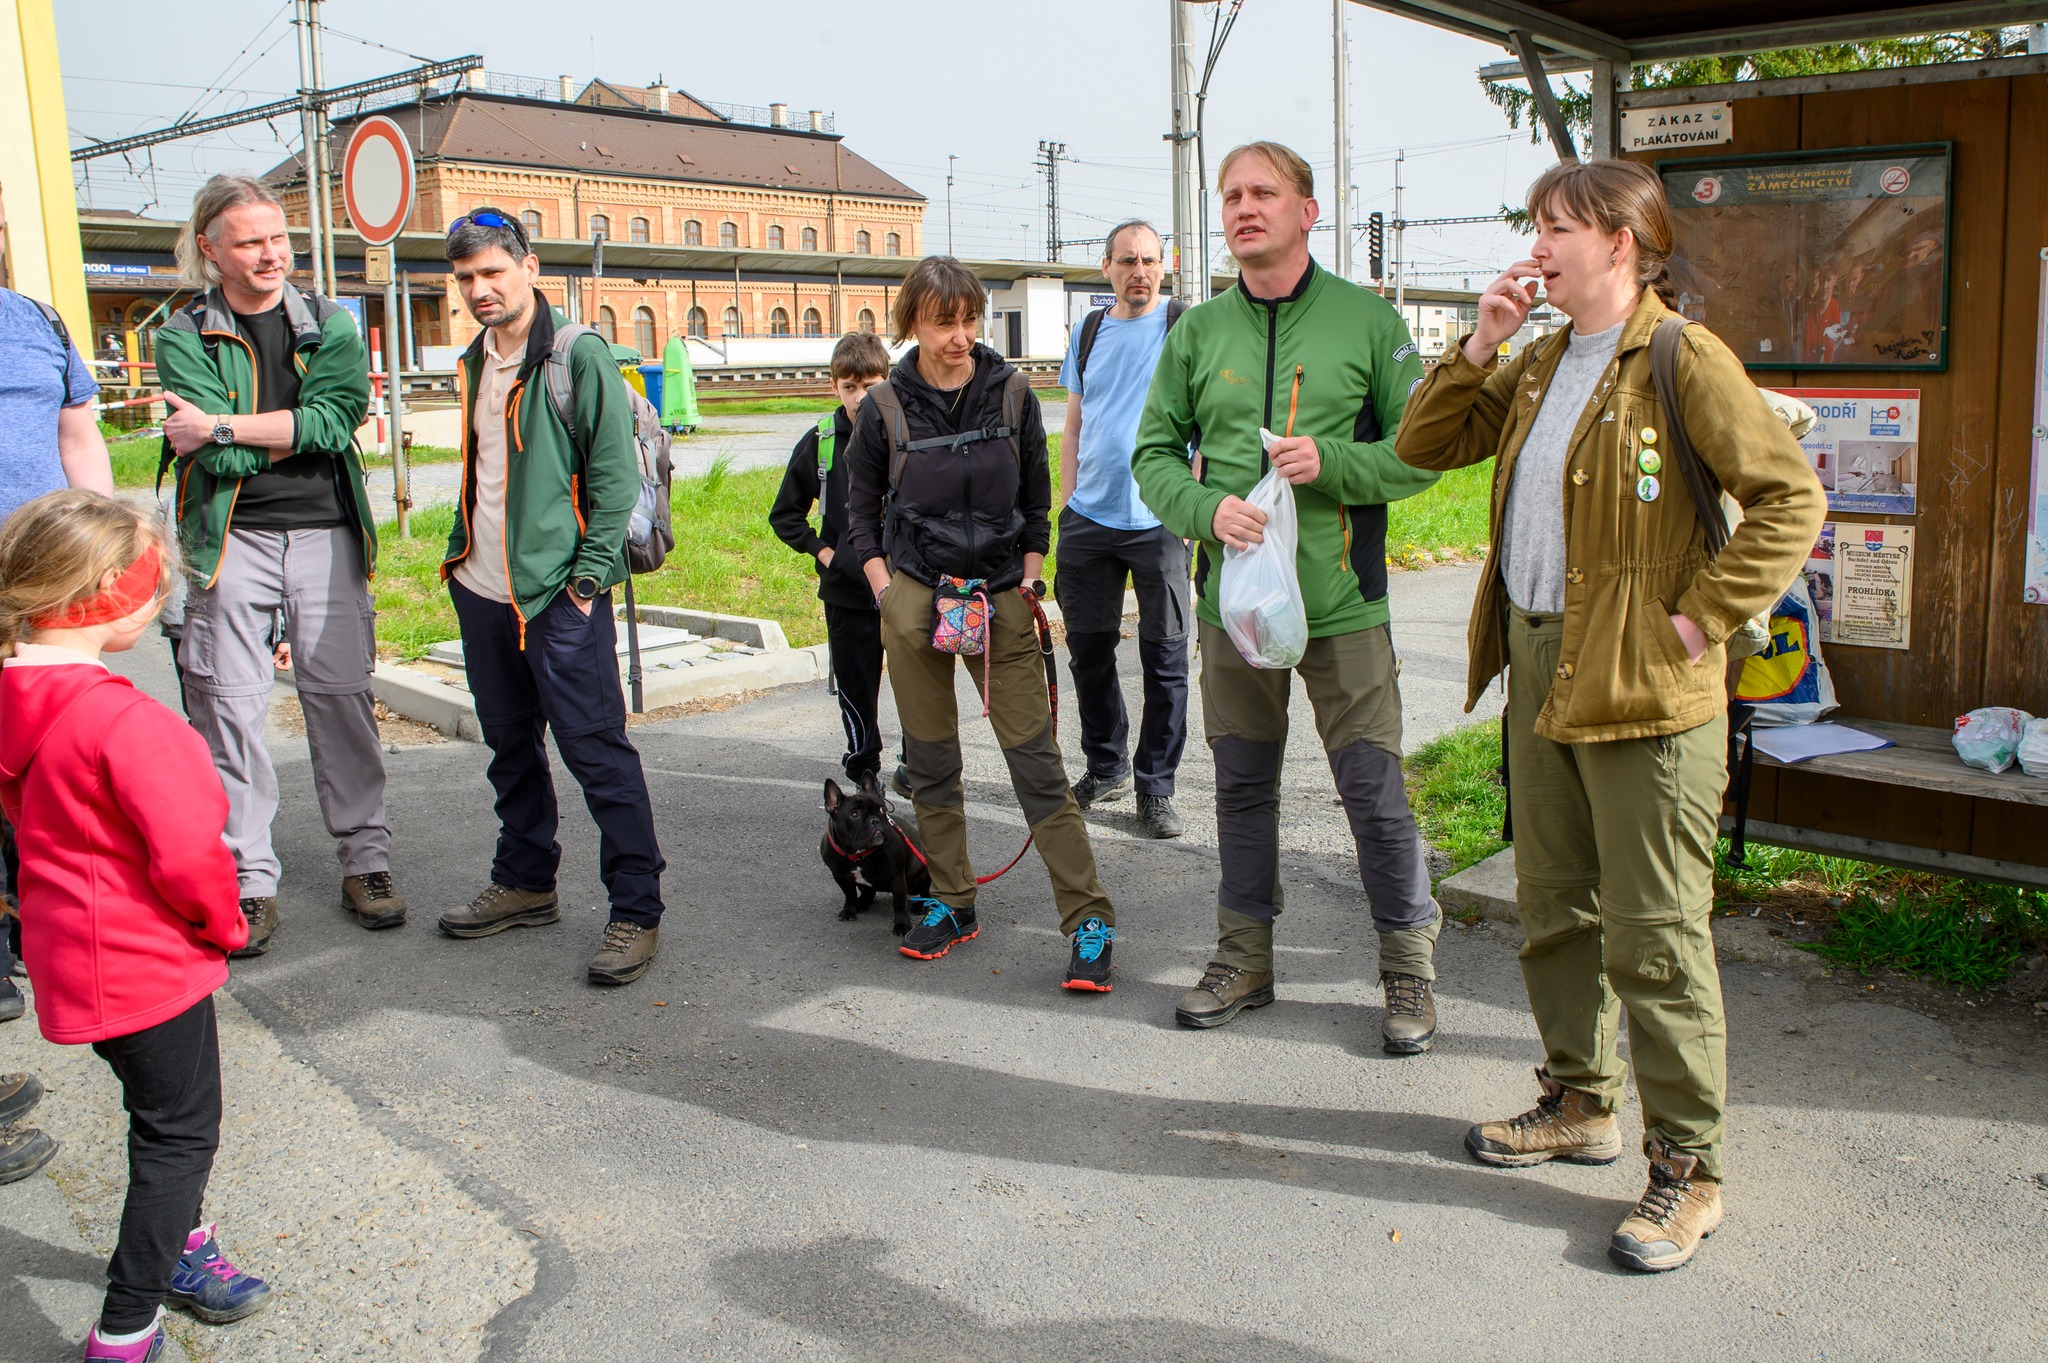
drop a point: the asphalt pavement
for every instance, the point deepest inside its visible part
(789, 1141)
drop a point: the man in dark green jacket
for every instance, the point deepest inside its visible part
(1313, 358)
(538, 544)
(266, 386)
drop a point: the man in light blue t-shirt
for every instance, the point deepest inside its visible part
(1108, 535)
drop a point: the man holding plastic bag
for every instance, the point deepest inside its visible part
(1293, 383)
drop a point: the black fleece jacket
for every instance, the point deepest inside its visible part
(842, 583)
(971, 512)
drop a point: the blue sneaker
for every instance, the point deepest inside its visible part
(1089, 967)
(942, 926)
(210, 1287)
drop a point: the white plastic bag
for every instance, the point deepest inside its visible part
(2033, 750)
(1260, 597)
(1788, 683)
(1989, 738)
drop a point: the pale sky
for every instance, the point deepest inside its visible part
(985, 81)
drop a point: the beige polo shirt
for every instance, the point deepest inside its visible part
(483, 569)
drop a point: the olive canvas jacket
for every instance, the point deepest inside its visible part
(203, 357)
(1630, 564)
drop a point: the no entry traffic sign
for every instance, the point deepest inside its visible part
(377, 180)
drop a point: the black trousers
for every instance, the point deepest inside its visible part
(565, 679)
(855, 636)
(170, 1084)
(1094, 562)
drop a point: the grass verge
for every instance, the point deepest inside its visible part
(135, 459)
(1870, 918)
(1449, 521)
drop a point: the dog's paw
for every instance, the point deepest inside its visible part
(849, 913)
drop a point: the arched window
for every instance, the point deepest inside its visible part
(644, 334)
(728, 235)
(867, 320)
(775, 238)
(892, 245)
(699, 324)
(863, 243)
(810, 238)
(732, 321)
(636, 230)
(600, 226)
(693, 233)
(814, 325)
(530, 220)
(608, 325)
(778, 322)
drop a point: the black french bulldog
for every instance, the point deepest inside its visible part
(866, 850)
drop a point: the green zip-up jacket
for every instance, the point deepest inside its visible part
(203, 356)
(566, 511)
(1339, 361)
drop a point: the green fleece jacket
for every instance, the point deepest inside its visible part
(566, 510)
(203, 357)
(1337, 360)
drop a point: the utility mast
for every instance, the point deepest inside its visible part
(1053, 153)
(1342, 56)
(1190, 251)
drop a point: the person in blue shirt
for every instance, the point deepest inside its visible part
(1106, 536)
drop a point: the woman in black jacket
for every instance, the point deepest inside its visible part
(951, 497)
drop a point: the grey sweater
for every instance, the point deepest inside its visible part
(1532, 528)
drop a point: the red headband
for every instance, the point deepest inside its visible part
(130, 592)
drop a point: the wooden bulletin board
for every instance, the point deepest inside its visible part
(1975, 640)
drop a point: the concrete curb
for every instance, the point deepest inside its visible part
(1485, 888)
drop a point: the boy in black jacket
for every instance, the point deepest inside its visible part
(817, 473)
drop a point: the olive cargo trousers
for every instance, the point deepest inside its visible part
(1614, 849)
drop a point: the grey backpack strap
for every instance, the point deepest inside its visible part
(1700, 482)
(561, 382)
(1016, 389)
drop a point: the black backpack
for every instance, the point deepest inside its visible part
(1092, 323)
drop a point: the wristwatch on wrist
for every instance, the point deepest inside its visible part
(1035, 588)
(585, 588)
(223, 432)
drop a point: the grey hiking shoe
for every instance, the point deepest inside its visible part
(1408, 1022)
(1157, 819)
(23, 1150)
(12, 1005)
(1565, 1124)
(625, 953)
(1223, 992)
(1091, 788)
(373, 899)
(261, 911)
(500, 907)
(19, 1093)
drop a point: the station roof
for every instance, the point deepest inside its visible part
(1630, 32)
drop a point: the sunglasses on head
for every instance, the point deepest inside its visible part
(488, 217)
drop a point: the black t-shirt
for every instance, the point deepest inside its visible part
(299, 491)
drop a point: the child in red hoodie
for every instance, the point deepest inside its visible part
(129, 903)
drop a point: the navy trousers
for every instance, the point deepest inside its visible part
(566, 679)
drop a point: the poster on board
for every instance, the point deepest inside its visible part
(1819, 573)
(1873, 586)
(2035, 583)
(1865, 445)
(1816, 260)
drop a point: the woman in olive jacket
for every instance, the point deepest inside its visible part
(1610, 617)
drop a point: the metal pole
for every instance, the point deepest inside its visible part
(1190, 252)
(1400, 227)
(332, 287)
(950, 159)
(395, 363)
(1343, 168)
(309, 137)
(405, 359)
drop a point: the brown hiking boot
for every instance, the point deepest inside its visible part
(1565, 1124)
(1679, 1209)
(371, 898)
(19, 1093)
(261, 911)
(500, 907)
(1408, 1022)
(23, 1150)
(1223, 993)
(625, 953)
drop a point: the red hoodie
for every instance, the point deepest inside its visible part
(129, 901)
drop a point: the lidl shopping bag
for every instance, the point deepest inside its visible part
(1788, 682)
(1260, 597)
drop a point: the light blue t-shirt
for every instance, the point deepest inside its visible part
(32, 390)
(1120, 366)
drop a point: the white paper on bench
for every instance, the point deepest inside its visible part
(1797, 742)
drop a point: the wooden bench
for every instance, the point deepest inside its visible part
(1923, 760)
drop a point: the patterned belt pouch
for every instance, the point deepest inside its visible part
(960, 614)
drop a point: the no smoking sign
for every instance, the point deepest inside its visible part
(1894, 179)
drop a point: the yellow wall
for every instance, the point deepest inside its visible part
(43, 254)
